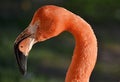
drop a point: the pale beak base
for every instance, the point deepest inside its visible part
(21, 59)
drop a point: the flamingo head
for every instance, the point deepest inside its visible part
(45, 24)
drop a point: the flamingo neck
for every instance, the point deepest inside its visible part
(85, 52)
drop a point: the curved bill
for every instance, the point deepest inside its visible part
(21, 57)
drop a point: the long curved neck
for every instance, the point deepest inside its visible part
(85, 52)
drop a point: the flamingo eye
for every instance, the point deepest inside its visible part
(21, 46)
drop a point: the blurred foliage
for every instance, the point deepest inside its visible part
(92, 10)
(96, 9)
(48, 61)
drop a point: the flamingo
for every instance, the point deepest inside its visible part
(49, 21)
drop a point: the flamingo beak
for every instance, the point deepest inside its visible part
(20, 56)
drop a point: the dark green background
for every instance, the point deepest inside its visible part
(48, 61)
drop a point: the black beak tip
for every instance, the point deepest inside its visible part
(23, 64)
(23, 71)
(21, 60)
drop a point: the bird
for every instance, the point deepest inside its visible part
(49, 21)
